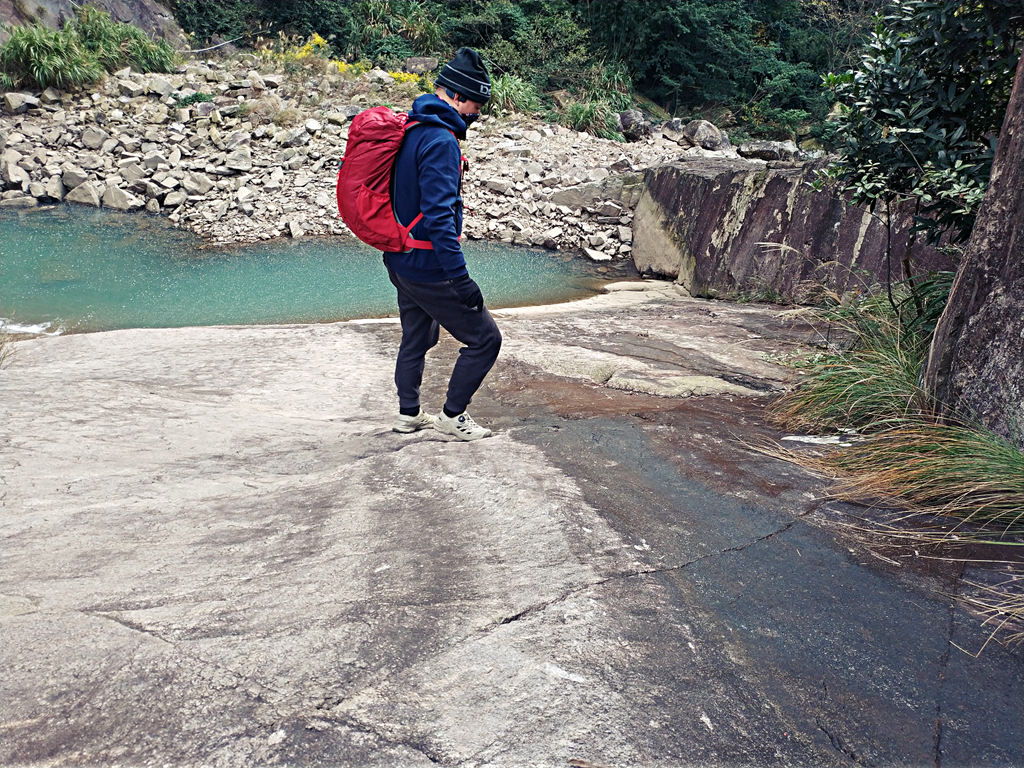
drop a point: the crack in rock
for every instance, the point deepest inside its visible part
(417, 746)
(943, 664)
(837, 743)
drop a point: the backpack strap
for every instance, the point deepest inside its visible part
(410, 241)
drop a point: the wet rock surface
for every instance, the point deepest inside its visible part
(216, 552)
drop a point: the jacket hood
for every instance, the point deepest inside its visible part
(429, 109)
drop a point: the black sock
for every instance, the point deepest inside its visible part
(449, 413)
(409, 411)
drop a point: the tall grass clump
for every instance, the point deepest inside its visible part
(868, 379)
(90, 44)
(511, 94)
(939, 469)
(592, 116)
(35, 56)
(964, 483)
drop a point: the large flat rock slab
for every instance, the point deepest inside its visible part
(217, 553)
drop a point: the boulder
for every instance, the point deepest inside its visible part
(152, 160)
(159, 86)
(594, 255)
(623, 189)
(14, 176)
(73, 176)
(634, 125)
(119, 200)
(379, 76)
(295, 229)
(768, 150)
(93, 137)
(197, 183)
(239, 160)
(701, 133)
(292, 137)
(130, 88)
(16, 102)
(85, 193)
(255, 80)
(175, 198)
(722, 226)
(132, 172)
(54, 188)
(18, 200)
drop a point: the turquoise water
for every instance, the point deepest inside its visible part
(73, 269)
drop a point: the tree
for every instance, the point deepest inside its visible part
(976, 362)
(921, 110)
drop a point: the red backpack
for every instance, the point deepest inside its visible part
(364, 180)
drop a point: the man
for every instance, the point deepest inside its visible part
(434, 286)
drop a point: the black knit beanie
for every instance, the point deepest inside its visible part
(466, 75)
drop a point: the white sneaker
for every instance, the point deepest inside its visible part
(411, 423)
(461, 426)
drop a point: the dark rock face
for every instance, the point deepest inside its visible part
(148, 15)
(720, 227)
(976, 365)
(634, 125)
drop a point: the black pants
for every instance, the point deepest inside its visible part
(424, 308)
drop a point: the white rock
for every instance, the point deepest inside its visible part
(73, 176)
(175, 198)
(119, 200)
(239, 160)
(15, 103)
(596, 255)
(55, 188)
(85, 194)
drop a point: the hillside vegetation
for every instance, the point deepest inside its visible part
(752, 66)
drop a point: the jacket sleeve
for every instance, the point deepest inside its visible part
(440, 162)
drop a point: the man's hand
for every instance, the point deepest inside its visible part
(468, 292)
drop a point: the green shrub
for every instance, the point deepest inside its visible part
(592, 116)
(192, 98)
(89, 44)
(35, 56)
(510, 93)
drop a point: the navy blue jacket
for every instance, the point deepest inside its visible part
(427, 179)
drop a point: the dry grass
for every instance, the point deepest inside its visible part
(953, 484)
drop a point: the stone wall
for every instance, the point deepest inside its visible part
(727, 226)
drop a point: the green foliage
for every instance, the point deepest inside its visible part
(510, 94)
(871, 381)
(116, 45)
(922, 108)
(209, 19)
(192, 98)
(35, 56)
(592, 116)
(762, 58)
(89, 44)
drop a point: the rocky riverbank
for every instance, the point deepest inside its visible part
(238, 153)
